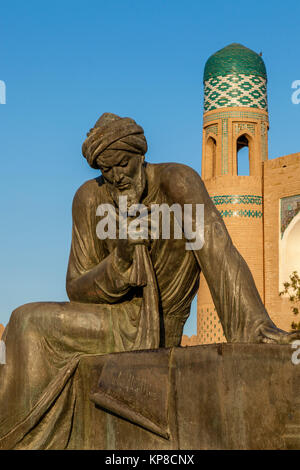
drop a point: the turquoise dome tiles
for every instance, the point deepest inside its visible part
(235, 77)
(233, 60)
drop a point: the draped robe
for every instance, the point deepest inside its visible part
(114, 311)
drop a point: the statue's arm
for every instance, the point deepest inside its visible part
(105, 283)
(93, 275)
(237, 301)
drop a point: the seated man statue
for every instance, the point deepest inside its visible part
(125, 293)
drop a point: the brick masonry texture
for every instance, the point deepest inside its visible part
(281, 179)
(249, 205)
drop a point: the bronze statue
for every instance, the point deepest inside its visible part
(125, 294)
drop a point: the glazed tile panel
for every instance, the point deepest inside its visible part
(234, 91)
(237, 199)
(241, 213)
(289, 208)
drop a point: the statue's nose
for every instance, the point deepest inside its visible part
(117, 175)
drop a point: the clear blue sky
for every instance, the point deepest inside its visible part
(66, 62)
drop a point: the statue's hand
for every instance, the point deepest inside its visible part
(269, 334)
(125, 250)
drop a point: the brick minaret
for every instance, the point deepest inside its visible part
(235, 116)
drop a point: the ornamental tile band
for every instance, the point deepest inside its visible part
(238, 127)
(213, 129)
(224, 146)
(237, 199)
(234, 91)
(241, 213)
(264, 141)
(235, 115)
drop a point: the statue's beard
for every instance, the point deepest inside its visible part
(134, 192)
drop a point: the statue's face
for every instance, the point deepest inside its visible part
(124, 174)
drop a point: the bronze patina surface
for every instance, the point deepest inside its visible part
(217, 396)
(125, 295)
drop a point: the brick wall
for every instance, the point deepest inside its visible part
(281, 179)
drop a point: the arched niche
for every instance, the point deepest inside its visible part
(210, 157)
(289, 251)
(244, 155)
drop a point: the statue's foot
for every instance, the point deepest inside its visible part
(269, 334)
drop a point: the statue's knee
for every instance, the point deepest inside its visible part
(23, 316)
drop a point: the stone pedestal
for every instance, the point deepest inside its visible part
(219, 396)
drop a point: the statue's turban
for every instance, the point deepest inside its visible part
(112, 131)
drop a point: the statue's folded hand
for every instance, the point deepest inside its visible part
(125, 251)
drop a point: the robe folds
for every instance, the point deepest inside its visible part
(113, 311)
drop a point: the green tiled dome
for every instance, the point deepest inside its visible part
(233, 60)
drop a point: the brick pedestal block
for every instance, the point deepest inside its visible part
(218, 396)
